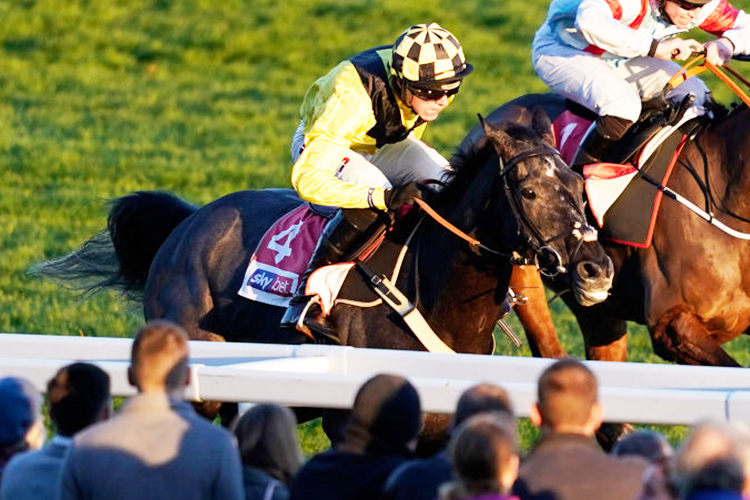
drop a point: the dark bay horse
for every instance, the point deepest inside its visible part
(691, 286)
(510, 190)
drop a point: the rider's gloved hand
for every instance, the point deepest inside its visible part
(719, 51)
(677, 48)
(397, 197)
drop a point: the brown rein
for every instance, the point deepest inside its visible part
(475, 243)
(687, 71)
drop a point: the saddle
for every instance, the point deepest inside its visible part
(656, 114)
(623, 198)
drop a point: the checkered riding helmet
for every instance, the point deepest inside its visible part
(430, 57)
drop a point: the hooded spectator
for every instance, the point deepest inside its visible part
(380, 435)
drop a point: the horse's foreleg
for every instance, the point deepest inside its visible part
(534, 315)
(212, 409)
(681, 336)
(605, 337)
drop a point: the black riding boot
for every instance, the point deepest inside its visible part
(598, 145)
(342, 238)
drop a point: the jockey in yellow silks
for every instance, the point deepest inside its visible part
(358, 143)
(607, 55)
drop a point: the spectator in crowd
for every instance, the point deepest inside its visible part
(78, 396)
(380, 435)
(713, 448)
(270, 451)
(658, 482)
(720, 479)
(21, 426)
(420, 479)
(484, 455)
(566, 463)
(651, 445)
(156, 446)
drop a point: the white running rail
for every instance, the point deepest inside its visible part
(329, 376)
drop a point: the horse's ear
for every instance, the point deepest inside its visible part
(484, 123)
(498, 137)
(542, 125)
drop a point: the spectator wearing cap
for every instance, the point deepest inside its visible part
(21, 426)
(420, 479)
(156, 446)
(566, 463)
(78, 396)
(380, 435)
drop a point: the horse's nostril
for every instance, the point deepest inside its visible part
(588, 270)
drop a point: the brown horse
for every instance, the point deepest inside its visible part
(691, 286)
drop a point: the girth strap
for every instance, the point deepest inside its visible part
(410, 314)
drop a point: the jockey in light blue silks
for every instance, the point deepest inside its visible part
(607, 55)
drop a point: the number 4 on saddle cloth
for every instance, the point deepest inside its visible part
(281, 258)
(623, 197)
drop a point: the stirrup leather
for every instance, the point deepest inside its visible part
(312, 328)
(300, 325)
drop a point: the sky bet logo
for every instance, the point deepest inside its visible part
(270, 282)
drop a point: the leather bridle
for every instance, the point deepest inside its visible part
(545, 258)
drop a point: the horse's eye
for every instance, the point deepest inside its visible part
(528, 193)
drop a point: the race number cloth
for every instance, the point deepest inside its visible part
(569, 130)
(281, 257)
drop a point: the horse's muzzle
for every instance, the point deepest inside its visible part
(591, 281)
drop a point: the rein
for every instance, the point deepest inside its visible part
(689, 70)
(540, 249)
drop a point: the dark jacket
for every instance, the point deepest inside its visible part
(715, 495)
(385, 418)
(35, 474)
(336, 475)
(419, 479)
(257, 482)
(573, 467)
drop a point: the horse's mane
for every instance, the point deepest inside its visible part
(473, 154)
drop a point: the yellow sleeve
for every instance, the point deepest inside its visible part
(337, 124)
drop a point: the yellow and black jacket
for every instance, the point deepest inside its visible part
(354, 108)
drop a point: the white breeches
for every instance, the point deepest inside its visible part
(609, 88)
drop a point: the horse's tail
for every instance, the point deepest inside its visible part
(119, 257)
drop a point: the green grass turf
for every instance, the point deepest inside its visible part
(200, 98)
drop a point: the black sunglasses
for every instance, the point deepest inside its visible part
(430, 94)
(686, 5)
